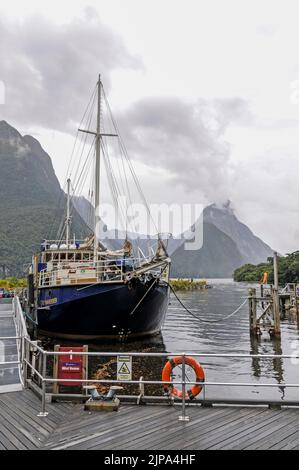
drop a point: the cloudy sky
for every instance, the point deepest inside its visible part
(206, 93)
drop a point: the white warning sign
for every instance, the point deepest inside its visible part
(124, 368)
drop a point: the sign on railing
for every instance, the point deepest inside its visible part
(124, 368)
(70, 366)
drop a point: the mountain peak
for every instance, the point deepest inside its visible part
(34, 145)
(7, 131)
(223, 216)
(220, 209)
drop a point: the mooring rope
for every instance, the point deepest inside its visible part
(30, 318)
(205, 320)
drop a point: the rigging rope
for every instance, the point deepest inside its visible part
(125, 153)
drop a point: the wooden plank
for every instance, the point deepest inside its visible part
(228, 432)
(241, 438)
(31, 418)
(20, 428)
(14, 439)
(57, 412)
(284, 433)
(287, 443)
(202, 418)
(6, 442)
(202, 433)
(34, 406)
(77, 433)
(117, 432)
(156, 429)
(85, 420)
(16, 435)
(81, 423)
(274, 428)
(99, 428)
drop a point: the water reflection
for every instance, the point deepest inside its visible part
(267, 367)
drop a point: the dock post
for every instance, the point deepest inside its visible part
(183, 416)
(252, 310)
(55, 370)
(276, 307)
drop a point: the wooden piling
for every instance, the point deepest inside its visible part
(252, 310)
(275, 297)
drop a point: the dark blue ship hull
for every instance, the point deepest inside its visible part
(103, 311)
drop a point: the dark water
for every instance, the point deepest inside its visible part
(183, 333)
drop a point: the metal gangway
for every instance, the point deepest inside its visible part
(13, 334)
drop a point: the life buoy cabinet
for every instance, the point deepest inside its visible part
(199, 372)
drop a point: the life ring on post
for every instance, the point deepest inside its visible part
(167, 371)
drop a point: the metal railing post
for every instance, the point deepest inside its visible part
(43, 413)
(204, 392)
(25, 360)
(183, 416)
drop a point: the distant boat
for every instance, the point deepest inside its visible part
(85, 291)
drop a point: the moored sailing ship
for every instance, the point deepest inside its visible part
(83, 290)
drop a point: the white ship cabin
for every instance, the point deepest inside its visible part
(59, 264)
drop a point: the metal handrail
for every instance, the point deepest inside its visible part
(4, 338)
(25, 345)
(6, 363)
(44, 379)
(21, 338)
(169, 354)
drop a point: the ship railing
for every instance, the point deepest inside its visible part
(111, 270)
(44, 379)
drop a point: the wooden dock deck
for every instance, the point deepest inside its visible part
(148, 427)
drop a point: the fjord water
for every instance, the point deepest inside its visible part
(182, 332)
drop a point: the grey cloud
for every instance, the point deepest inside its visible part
(267, 29)
(186, 139)
(48, 69)
(232, 110)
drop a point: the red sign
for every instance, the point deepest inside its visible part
(70, 366)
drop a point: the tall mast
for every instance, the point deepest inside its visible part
(68, 217)
(97, 174)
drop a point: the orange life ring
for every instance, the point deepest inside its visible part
(199, 372)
